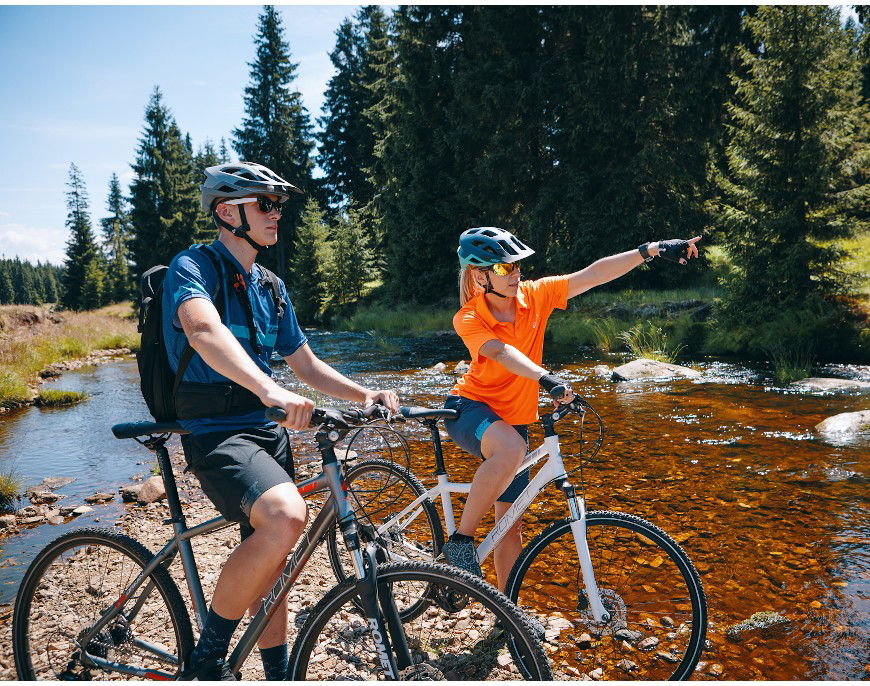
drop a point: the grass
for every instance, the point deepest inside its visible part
(55, 398)
(27, 350)
(608, 334)
(396, 321)
(650, 341)
(10, 487)
(791, 362)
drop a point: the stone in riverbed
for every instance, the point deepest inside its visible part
(81, 509)
(7, 521)
(100, 497)
(151, 491)
(845, 423)
(130, 492)
(831, 385)
(643, 368)
(54, 482)
(461, 367)
(761, 622)
(43, 497)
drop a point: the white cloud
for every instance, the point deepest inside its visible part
(32, 243)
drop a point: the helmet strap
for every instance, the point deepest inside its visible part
(489, 289)
(240, 231)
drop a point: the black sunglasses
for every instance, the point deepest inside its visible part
(266, 205)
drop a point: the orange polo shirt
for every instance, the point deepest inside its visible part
(512, 397)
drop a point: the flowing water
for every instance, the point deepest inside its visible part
(774, 517)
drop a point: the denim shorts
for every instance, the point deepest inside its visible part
(467, 429)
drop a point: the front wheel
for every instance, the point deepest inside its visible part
(70, 585)
(337, 643)
(646, 582)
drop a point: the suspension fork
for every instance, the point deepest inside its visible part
(577, 508)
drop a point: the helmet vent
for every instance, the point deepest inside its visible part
(508, 248)
(226, 189)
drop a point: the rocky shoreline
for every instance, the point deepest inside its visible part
(144, 522)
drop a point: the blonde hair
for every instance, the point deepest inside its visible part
(468, 287)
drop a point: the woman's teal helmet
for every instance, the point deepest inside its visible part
(487, 245)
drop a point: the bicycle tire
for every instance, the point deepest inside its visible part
(65, 573)
(646, 611)
(427, 534)
(336, 631)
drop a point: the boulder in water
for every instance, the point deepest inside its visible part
(760, 622)
(151, 491)
(461, 367)
(831, 385)
(845, 423)
(643, 368)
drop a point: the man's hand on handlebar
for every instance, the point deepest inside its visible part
(386, 398)
(297, 408)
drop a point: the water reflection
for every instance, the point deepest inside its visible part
(774, 516)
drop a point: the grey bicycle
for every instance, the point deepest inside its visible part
(96, 604)
(617, 596)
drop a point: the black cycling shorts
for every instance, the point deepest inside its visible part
(236, 467)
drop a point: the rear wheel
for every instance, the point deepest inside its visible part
(646, 582)
(73, 582)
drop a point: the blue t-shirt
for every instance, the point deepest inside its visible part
(192, 275)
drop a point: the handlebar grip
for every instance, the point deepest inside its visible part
(275, 414)
(557, 392)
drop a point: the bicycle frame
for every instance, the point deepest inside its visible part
(337, 507)
(552, 470)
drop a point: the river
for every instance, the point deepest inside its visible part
(774, 517)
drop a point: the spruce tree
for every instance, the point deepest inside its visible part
(276, 131)
(206, 157)
(164, 193)
(116, 233)
(49, 281)
(93, 286)
(7, 290)
(348, 260)
(223, 152)
(789, 188)
(81, 248)
(308, 264)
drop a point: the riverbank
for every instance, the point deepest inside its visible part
(40, 342)
(145, 524)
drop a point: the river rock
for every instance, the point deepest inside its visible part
(845, 423)
(461, 367)
(831, 385)
(43, 497)
(643, 368)
(440, 367)
(346, 454)
(35, 519)
(54, 482)
(7, 521)
(100, 497)
(602, 370)
(626, 665)
(760, 622)
(81, 509)
(130, 492)
(55, 520)
(649, 643)
(152, 491)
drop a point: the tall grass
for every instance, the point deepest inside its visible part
(57, 398)
(10, 486)
(792, 361)
(27, 350)
(401, 321)
(608, 332)
(650, 341)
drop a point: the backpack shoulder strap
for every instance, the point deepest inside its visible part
(275, 287)
(188, 352)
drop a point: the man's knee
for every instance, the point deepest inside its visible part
(503, 444)
(282, 513)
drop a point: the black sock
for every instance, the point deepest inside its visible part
(214, 641)
(275, 662)
(457, 537)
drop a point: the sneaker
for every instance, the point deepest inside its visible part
(461, 555)
(214, 669)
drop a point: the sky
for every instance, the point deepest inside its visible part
(75, 81)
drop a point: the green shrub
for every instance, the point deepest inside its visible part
(55, 398)
(10, 486)
(571, 329)
(650, 341)
(792, 361)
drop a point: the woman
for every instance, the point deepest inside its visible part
(502, 322)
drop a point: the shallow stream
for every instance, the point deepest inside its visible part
(774, 517)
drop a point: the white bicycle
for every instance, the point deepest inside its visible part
(618, 597)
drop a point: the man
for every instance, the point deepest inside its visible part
(241, 459)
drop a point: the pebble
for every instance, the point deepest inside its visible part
(99, 497)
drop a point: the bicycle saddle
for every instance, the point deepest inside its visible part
(134, 429)
(426, 412)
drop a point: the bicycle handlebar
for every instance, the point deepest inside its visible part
(332, 415)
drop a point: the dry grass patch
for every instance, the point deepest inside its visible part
(26, 350)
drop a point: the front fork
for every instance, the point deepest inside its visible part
(577, 507)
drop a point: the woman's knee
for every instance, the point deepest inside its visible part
(502, 442)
